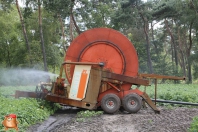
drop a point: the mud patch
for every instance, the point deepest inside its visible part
(61, 117)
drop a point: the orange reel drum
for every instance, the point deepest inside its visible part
(103, 45)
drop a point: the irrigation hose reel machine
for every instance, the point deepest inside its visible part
(100, 65)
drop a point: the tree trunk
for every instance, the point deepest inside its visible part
(155, 45)
(72, 17)
(174, 45)
(75, 24)
(63, 32)
(183, 66)
(54, 69)
(189, 72)
(149, 62)
(71, 29)
(188, 53)
(41, 36)
(8, 54)
(24, 32)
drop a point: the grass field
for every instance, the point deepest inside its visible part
(29, 111)
(10, 90)
(176, 92)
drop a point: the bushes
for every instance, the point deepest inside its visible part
(194, 125)
(28, 111)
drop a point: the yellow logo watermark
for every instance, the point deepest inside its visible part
(10, 121)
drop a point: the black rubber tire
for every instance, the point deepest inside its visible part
(114, 106)
(128, 100)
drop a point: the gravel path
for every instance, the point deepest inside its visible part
(169, 120)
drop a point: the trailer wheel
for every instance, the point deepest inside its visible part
(110, 103)
(132, 103)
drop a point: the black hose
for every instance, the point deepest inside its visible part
(174, 102)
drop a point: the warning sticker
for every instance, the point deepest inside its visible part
(79, 82)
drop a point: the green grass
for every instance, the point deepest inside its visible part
(176, 92)
(83, 115)
(29, 111)
(194, 125)
(10, 90)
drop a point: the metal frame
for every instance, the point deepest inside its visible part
(99, 76)
(156, 77)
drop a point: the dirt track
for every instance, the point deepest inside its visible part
(169, 120)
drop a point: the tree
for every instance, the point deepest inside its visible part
(24, 31)
(182, 25)
(141, 10)
(11, 45)
(61, 9)
(41, 35)
(51, 35)
(172, 46)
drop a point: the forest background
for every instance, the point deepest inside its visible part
(37, 33)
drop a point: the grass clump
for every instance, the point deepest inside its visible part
(29, 111)
(83, 115)
(194, 125)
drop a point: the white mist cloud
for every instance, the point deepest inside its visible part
(24, 76)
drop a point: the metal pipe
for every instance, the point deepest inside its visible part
(174, 102)
(84, 63)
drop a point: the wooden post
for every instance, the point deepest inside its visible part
(155, 90)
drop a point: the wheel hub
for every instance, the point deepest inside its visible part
(133, 102)
(110, 104)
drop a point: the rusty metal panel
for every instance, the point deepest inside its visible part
(150, 102)
(111, 80)
(133, 80)
(19, 93)
(156, 76)
(93, 86)
(104, 87)
(71, 102)
(53, 87)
